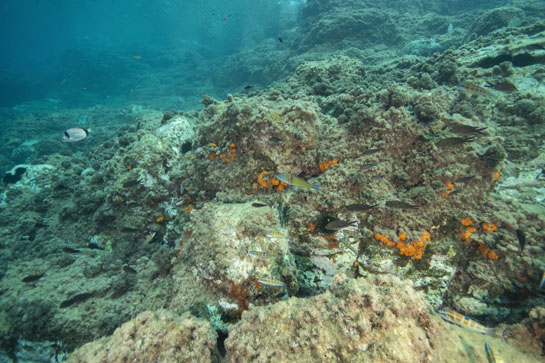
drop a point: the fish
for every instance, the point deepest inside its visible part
(372, 151)
(275, 139)
(465, 179)
(453, 141)
(75, 299)
(275, 235)
(542, 280)
(456, 318)
(467, 130)
(400, 205)
(280, 40)
(338, 224)
(247, 87)
(522, 239)
(369, 164)
(295, 181)
(150, 237)
(360, 207)
(489, 353)
(137, 57)
(377, 177)
(128, 269)
(503, 86)
(271, 282)
(259, 205)
(70, 250)
(474, 89)
(32, 278)
(75, 134)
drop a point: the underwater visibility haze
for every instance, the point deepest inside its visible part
(272, 180)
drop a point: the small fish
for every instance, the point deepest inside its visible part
(63, 81)
(503, 86)
(377, 177)
(32, 278)
(454, 141)
(338, 224)
(295, 181)
(70, 250)
(373, 151)
(360, 207)
(271, 282)
(275, 139)
(150, 237)
(474, 89)
(468, 130)
(369, 164)
(259, 205)
(456, 318)
(400, 205)
(489, 353)
(267, 254)
(465, 179)
(137, 57)
(542, 280)
(247, 87)
(75, 134)
(75, 299)
(275, 235)
(280, 40)
(522, 239)
(128, 269)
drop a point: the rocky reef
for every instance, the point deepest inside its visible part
(186, 211)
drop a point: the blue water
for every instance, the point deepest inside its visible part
(83, 51)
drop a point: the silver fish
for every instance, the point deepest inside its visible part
(75, 134)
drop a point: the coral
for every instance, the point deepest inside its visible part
(415, 249)
(324, 165)
(154, 336)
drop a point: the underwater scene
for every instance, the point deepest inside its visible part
(272, 181)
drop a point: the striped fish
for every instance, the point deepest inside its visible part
(542, 280)
(270, 282)
(295, 181)
(489, 353)
(474, 89)
(275, 235)
(463, 321)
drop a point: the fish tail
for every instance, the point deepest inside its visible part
(490, 332)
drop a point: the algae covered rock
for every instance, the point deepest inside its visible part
(152, 337)
(238, 244)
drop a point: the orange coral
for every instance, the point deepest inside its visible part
(312, 227)
(159, 219)
(496, 176)
(189, 208)
(489, 227)
(467, 221)
(273, 182)
(414, 249)
(402, 236)
(324, 165)
(466, 236)
(212, 157)
(260, 179)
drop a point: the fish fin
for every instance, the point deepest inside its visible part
(66, 134)
(86, 131)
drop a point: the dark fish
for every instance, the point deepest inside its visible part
(373, 151)
(275, 139)
(247, 87)
(258, 205)
(465, 179)
(360, 207)
(400, 205)
(32, 278)
(377, 177)
(128, 269)
(454, 141)
(94, 246)
(370, 165)
(468, 130)
(503, 86)
(280, 40)
(522, 239)
(338, 225)
(76, 299)
(70, 250)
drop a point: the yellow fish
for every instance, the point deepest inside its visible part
(275, 235)
(295, 181)
(463, 321)
(270, 282)
(476, 90)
